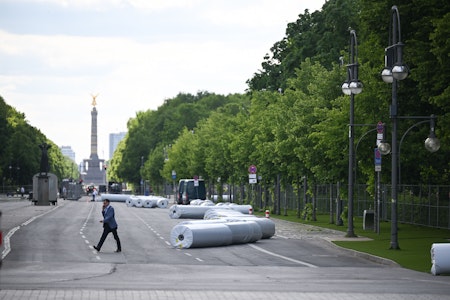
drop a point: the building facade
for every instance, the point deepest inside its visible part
(114, 140)
(67, 151)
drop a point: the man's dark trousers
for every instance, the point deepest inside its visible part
(106, 231)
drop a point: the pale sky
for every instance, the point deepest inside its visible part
(133, 54)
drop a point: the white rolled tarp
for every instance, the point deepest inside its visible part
(267, 225)
(149, 203)
(440, 258)
(128, 202)
(221, 212)
(200, 235)
(244, 231)
(137, 202)
(162, 203)
(115, 197)
(243, 208)
(187, 211)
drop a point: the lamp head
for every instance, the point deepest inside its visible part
(356, 87)
(400, 71)
(432, 143)
(386, 75)
(346, 89)
(384, 148)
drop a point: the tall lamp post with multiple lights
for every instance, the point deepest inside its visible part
(394, 71)
(351, 88)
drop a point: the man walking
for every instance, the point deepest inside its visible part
(109, 225)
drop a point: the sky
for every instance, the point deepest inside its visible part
(56, 55)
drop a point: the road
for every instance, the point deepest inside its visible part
(51, 250)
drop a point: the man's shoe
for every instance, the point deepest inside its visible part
(118, 250)
(96, 248)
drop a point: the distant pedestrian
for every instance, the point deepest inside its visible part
(64, 192)
(94, 193)
(22, 192)
(109, 225)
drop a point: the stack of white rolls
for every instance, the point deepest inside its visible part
(221, 226)
(147, 201)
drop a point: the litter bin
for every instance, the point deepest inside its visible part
(368, 220)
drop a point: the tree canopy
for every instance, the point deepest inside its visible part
(20, 154)
(293, 120)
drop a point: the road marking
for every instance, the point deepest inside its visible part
(6, 239)
(283, 257)
(82, 233)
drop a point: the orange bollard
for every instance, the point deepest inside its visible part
(267, 213)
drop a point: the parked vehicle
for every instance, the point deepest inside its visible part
(190, 189)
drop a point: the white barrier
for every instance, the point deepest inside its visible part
(440, 258)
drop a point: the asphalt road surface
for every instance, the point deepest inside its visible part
(50, 249)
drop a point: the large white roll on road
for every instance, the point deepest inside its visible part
(162, 202)
(267, 225)
(440, 258)
(115, 197)
(200, 235)
(187, 211)
(136, 201)
(149, 203)
(244, 231)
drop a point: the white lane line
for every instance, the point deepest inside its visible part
(7, 238)
(283, 257)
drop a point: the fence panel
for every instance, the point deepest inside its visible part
(425, 205)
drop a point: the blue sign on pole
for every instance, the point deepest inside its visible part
(377, 160)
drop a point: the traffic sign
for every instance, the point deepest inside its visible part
(377, 160)
(380, 127)
(252, 169)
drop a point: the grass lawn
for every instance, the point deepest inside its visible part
(414, 241)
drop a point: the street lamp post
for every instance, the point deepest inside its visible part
(394, 71)
(351, 87)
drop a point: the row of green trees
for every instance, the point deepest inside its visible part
(294, 119)
(20, 155)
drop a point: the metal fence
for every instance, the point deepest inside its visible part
(425, 205)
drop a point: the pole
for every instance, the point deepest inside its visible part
(377, 206)
(351, 154)
(393, 115)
